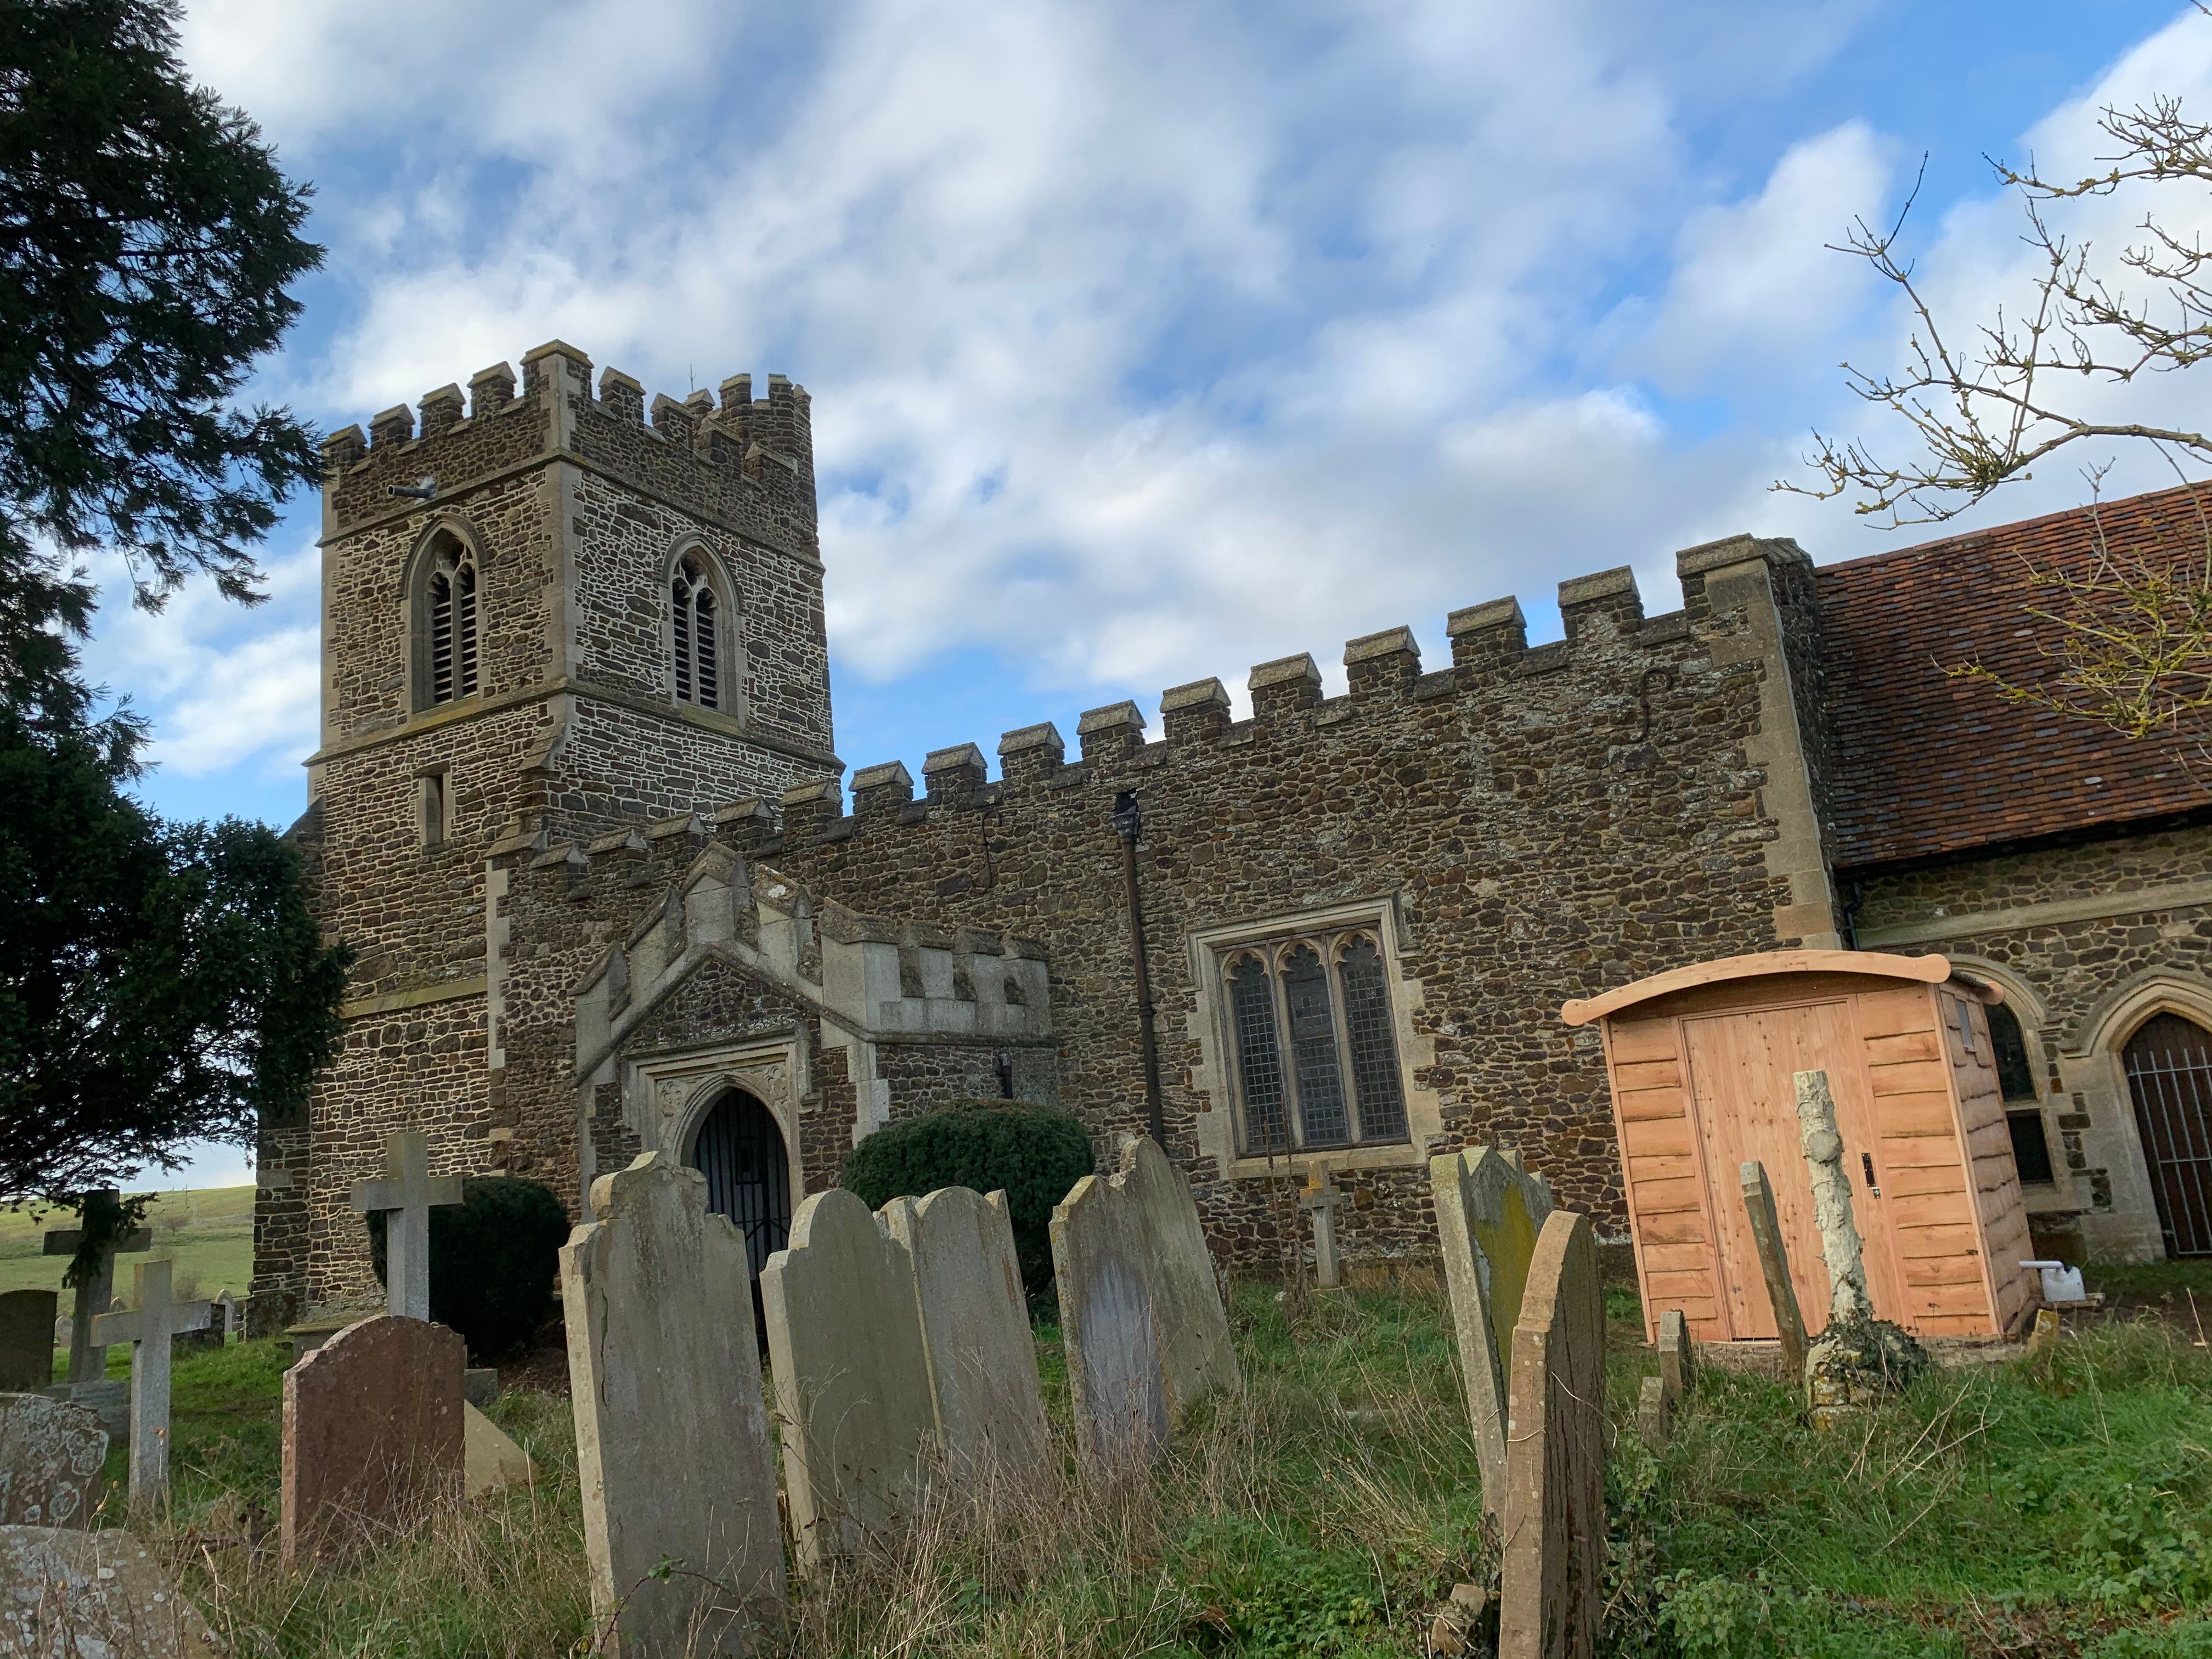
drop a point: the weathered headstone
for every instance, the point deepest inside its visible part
(1551, 1586)
(372, 1435)
(673, 1449)
(406, 1196)
(1321, 1198)
(95, 1291)
(107, 1399)
(1655, 1414)
(228, 1314)
(1774, 1265)
(975, 1330)
(69, 1594)
(490, 1459)
(852, 1376)
(149, 1327)
(1489, 1212)
(50, 1455)
(26, 1340)
(1678, 1355)
(1140, 1305)
(1831, 1199)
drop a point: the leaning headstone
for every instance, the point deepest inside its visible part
(406, 1196)
(1774, 1264)
(490, 1459)
(1552, 1584)
(1321, 1198)
(372, 1435)
(69, 1594)
(1108, 1321)
(50, 1455)
(95, 1291)
(26, 1340)
(1197, 1358)
(1489, 1211)
(852, 1375)
(1678, 1356)
(1655, 1414)
(150, 1328)
(975, 1330)
(673, 1449)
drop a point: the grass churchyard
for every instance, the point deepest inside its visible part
(2052, 1502)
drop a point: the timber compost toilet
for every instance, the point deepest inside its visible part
(1701, 1061)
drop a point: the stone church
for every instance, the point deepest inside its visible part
(577, 807)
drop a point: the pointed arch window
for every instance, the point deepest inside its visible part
(450, 630)
(1315, 1041)
(697, 635)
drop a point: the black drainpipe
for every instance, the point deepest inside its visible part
(1129, 821)
(1852, 915)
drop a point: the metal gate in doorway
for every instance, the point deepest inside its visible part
(2169, 1067)
(739, 1149)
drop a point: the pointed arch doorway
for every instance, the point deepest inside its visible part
(739, 1149)
(2169, 1067)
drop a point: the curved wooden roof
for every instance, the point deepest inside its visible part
(1927, 970)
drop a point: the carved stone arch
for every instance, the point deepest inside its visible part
(695, 583)
(757, 1079)
(2023, 998)
(2115, 1017)
(445, 547)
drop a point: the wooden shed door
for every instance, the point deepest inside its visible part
(1742, 1069)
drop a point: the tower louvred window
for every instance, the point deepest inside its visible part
(450, 623)
(696, 634)
(1315, 1042)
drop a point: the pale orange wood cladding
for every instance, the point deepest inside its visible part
(1700, 1080)
(1665, 1180)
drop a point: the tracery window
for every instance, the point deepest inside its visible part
(697, 641)
(1315, 1042)
(449, 623)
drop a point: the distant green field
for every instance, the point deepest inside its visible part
(209, 1235)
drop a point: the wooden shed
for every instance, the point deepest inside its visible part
(1701, 1061)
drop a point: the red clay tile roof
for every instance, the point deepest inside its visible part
(1926, 765)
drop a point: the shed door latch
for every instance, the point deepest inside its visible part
(1866, 1162)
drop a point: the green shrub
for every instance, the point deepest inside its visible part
(493, 1261)
(1034, 1152)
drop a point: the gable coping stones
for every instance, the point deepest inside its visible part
(673, 1451)
(852, 1375)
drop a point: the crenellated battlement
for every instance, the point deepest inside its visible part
(744, 459)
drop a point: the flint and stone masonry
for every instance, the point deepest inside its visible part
(584, 905)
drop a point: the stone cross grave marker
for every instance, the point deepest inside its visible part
(1489, 1211)
(82, 1594)
(672, 1448)
(94, 1293)
(852, 1375)
(1140, 1306)
(1831, 1199)
(1551, 1586)
(26, 1340)
(1678, 1355)
(1322, 1198)
(50, 1456)
(407, 1194)
(1774, 1266)
(150, 1328)
(372, 1435)
(975, 1332)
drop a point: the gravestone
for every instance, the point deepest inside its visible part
(1774, 1265)
(68, 1595)
(1678, 1355)
(108, 1400)
(406, 1196)
(94, 1293)
(852, 1376)
(372, 1435)
(672, 1449)
(1321, 1198)
(50, 1455)
(150, 1328)
(975, 1331)
(1655, 1414)
(26, 1340)
(490, 1461)
(1831, 1199)
(1489, 1211)
(227, 1315)
(1552, 1585)
(1140, 1305)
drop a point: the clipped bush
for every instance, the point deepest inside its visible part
(1035, 1152)
(494, 1258)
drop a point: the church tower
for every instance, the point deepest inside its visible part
(545, 617)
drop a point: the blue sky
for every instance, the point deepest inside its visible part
(1146, 341)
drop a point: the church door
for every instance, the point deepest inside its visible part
(739, 1149)
(2169, 1065)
